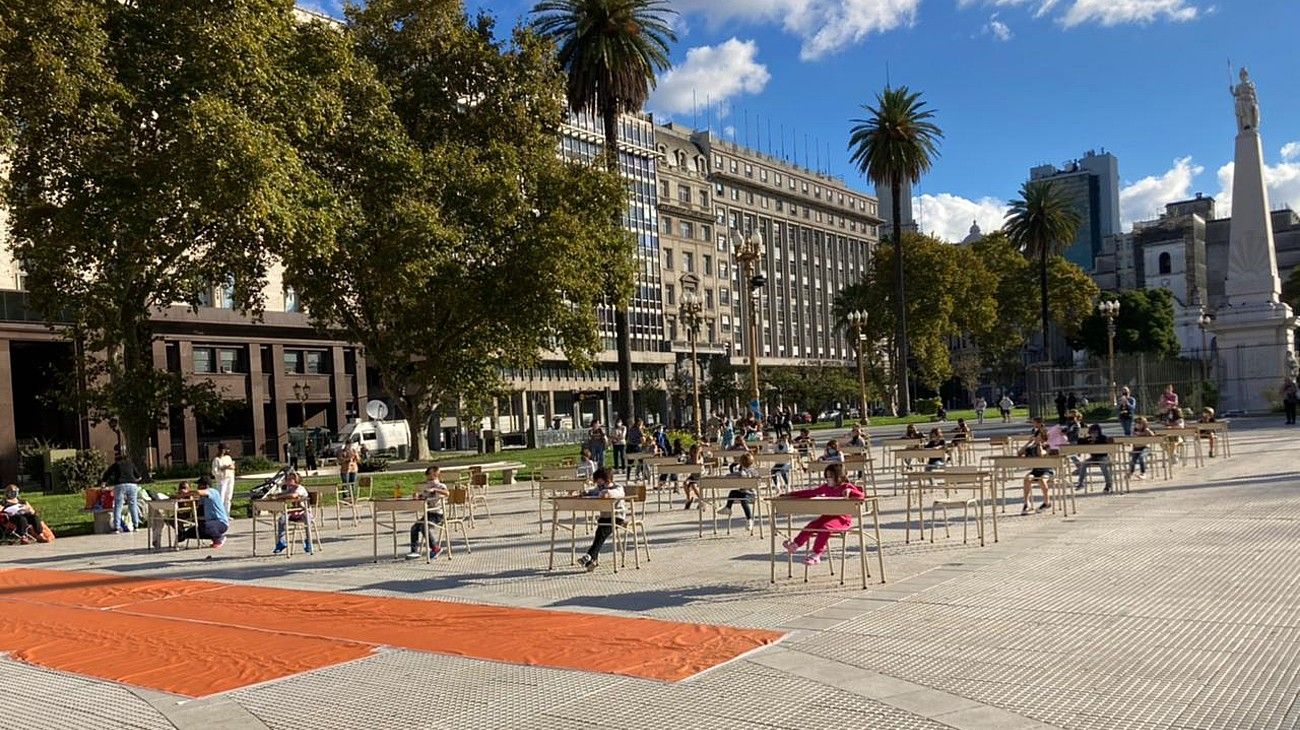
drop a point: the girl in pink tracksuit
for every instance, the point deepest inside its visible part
(835, 487)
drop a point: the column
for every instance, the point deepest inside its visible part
(163, 436)
(8, 430)
(279, 384)
(190, 426)
(360, 383)
(257, 399)
(339, 395)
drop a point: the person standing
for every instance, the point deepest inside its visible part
(1060, 406)
(223, 471)
(618, 439)
(1072, 401)
(1004, 407)
(311, 456)
(1290, 398)
(126, 490)
(980, 405)
(597, 441)
(349, 464)
(635, 440)
(1127, 407)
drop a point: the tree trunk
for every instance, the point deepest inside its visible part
(135, 419)
(1042, 291)
(623, 340)
(904, 396)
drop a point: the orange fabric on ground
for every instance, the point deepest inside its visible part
(181, 657)
(91, 590)
(636, 647)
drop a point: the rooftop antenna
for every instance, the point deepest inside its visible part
(784, 156)
(769, 135)
(887, 82)
(695, 111)
(746, 113)
(817, 155)
(708, 112)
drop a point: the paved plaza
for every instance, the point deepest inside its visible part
(1176, 606)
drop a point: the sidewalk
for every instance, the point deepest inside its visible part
(1174, 607)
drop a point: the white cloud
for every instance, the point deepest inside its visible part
(997, 28)
(1282, 181)
(1291, 151)
(729, 131)
(1103, 12)
(713, 73)
(949, 216)
(823, 26)
(1146, 198)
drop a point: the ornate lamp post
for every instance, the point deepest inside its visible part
(689, 313)
(857, 322)
(749, 252)
(1110, 310)
(1207, 319)
(301, 393)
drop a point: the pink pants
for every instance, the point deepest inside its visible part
(822, 527)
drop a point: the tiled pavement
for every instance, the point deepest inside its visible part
(1177, 606)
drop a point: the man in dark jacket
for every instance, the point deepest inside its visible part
(126, 489)
(1100, 460)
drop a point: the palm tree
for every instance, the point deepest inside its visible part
(611, 51)
(896, 143)
(1042, 223)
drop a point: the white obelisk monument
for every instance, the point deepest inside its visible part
(1254, 329)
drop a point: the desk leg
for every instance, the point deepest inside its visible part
(772, 532)
(880, 545)
(374, 533)
(554, 516)
(994, 509)
(254, 533)
(428, 538)
(907, 519)
(862, 547)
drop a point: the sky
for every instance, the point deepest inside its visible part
(1014, 84)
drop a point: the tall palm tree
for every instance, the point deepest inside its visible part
(1042, 223)
(896, 143)
(611, 51)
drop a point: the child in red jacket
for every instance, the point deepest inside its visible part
(835, 487)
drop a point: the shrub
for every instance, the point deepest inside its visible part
(372, 464)
(254, 464)
(927, 406)
(1098, 413)
(180, 471)
(79, 472)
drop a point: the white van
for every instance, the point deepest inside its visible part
(376, 438)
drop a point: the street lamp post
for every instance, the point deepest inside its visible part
(1110, 310)
(857, 322)
(691, 318)
(749, 252)
(301, 392)
(1207, 319)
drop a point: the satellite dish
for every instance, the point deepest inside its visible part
(377, 410)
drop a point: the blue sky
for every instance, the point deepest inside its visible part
(1015, 83)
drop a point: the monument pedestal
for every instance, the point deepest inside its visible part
(1252, 344)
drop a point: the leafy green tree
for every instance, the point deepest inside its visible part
(896, 143)
(1042, 223)
(1291, 289)
(611, 51)
(720, 385)
(466, 243)
(1072, 295)
(150, 162)
(1145, 324)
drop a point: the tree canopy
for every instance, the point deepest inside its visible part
(151, 162)
(466, 244)
(1145, 324)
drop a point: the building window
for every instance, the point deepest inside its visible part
(663, 189)
(291, 300)
(226, 295)
(688, 230)
(688, 262)
(1166, 263)
(205, 298)
(668, 258)
(205, 360)
(724, 297)
(668, 224)
(684, 194)
(706, 233)
(708, 265)
(230, 360)
(713, 331)
(293, 361)
(708, 299)
(670, 292)
(315, 362)
(704, 198)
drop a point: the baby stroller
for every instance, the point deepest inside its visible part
(269, 486)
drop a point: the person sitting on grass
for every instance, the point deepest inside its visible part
(1099, 460)
(1037, 446)
(434, 492)
(291, 491)
(1207, 416)
(22, 517)
(1138, 459)
(743, 468)
(819, 530)
(603, 487)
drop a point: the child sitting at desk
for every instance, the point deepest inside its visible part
(744, 468)
(291, 491)
(434, 492)
(835, 487)
(603, 487)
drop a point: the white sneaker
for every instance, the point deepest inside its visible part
(749, 524)
(725, 511)
(413, 555)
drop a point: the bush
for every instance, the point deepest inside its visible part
(81, 471)
(1210, 394)
(372, 464)
(1098, 413)
(926, 406)
(688, 439)
(180, 471)
(254, 464)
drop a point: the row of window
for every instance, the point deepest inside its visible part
(210, 359)
(791, 182)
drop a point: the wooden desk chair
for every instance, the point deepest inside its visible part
(478, 488)
(713, 494)
(303, 517)
(682, 471)
(1157, 454)
(451, 520)
(958, 498)
(555, 488)
(1180, 439)
(864, 465)
(635, 523)
(1003, 466)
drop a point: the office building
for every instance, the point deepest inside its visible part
(1092, 184)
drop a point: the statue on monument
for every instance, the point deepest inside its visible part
(1247, 103)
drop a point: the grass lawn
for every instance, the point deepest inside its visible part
(63, 511)
(990, 415)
